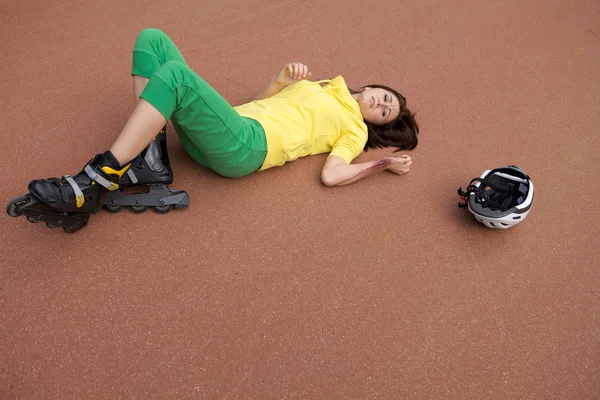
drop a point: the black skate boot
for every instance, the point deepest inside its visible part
(145, 183)
(68, 202)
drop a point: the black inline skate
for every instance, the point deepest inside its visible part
(151, 171)
(69, 201)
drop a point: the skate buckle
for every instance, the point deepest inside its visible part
(79, 199)
(99, 178)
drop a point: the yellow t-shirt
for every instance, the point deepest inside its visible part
(307, 118)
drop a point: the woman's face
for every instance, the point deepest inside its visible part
(378, 106)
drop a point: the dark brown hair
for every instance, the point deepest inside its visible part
(400, 133)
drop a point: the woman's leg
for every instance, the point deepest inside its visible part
(141, 127)
(152, 49)
(211, 131)
(139, 82)
(214, 134)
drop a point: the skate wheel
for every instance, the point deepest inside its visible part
(12, 208)
(138, 209)
(112, 208)
(73, 229)
(163, 209)
(51, 225)
(33, 220)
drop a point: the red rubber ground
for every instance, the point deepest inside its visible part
(273, 286)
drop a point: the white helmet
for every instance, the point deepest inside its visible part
(500, 198)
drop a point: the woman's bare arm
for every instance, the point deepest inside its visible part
(337, 172)
(271, 88)
(289, 74)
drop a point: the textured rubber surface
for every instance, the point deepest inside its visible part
(272, 286)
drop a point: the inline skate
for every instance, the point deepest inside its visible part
(68, 202)
(151, 171)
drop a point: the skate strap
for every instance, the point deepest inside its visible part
(99, 178)
(132, 176)
(78, 193)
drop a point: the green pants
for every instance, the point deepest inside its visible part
(211, 131)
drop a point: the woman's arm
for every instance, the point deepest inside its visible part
(289, 74)
(337, 172)
(272, 88)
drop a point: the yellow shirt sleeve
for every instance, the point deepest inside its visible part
(348, 146)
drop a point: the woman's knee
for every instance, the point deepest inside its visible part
(174, 69)
(148, 35)
(176, 73)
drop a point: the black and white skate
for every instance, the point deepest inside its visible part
(37, 211)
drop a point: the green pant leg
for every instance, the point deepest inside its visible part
(189, 146)
(152, 49)
(212, 132)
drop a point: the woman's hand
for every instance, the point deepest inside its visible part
(399, 165)
(292, 73)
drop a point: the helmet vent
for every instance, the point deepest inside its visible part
(518, 217)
